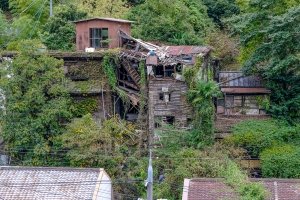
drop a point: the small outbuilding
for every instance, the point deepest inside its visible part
(43, 183)
(100, 33)
(242, 95)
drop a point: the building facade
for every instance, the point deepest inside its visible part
(100, 33)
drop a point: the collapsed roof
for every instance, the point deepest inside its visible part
(166, 54)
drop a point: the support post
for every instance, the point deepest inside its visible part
(150, 179)
(51, 8)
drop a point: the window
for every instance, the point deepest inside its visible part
(161, 96)
(169, 71)
(99, 37)
(165, 97)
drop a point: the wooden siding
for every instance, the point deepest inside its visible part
(177, 107)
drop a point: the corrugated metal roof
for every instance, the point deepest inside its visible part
(211, 189)
(185, 50)
(29, 183)
(238, 79)
(106, 19)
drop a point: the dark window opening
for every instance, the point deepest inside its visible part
(179, 68)
(165, 97)
(99, 37)
(161, 96)
(159, 71)
(169, 120)
(169, 71)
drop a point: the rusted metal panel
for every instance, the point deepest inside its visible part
(185, 50)
(236, 90)
(238, 79)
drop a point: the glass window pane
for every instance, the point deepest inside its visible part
(104, 33)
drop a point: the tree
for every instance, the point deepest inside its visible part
(37, 103)
(3, 31)
(59, 31)
(177, 22)
(277, 59)
(269, 32)
(219, 9)
(4, 5)
(36, 9)
(103, 8)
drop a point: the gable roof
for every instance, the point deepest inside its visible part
(105, 19)
(213, 188)
(238, 79)
(236, 82)
(41, 183)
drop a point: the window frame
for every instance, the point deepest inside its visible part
(97, 39)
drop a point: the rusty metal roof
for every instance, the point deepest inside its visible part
(212, 189)
(185, 50)
(106, 19)
(34, 183)
(238, 79)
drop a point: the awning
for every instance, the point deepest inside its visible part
(233, 90)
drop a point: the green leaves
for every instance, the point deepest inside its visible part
(176, 22)
(59, 31)
(36, 101)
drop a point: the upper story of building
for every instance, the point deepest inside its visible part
(100, 33)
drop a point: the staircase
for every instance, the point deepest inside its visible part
(132, 72)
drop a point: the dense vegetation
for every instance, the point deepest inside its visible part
(41, 127)
(275, 142)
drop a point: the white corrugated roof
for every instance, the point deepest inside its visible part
(38, 183)
(106, 19)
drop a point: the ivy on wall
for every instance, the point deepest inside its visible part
(202, 90)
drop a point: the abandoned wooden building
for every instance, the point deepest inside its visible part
(164, 90)
(243, 95)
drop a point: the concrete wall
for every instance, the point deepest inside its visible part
(83, 32)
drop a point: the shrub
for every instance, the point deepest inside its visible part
(281, 162)
(257, 135)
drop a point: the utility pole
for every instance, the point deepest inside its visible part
(51, 8)
(150, 179)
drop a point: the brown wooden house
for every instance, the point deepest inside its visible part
(242, 95)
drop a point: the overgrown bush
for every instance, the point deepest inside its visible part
(281, 161)
(257, 135)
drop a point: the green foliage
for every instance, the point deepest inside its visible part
(239, 181)
(226, 49)
(108, 64)
(4, 5)
(3, 30)
(281, 161)
(277, 60)
(103, 8)
(257, 135)
(177, 22)
(94, 145)
(59, 31)
(35, 9)
(85, 106)
(219, 9)
(201, 92)
(177, 161)
(36, 103)
(269, 32)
